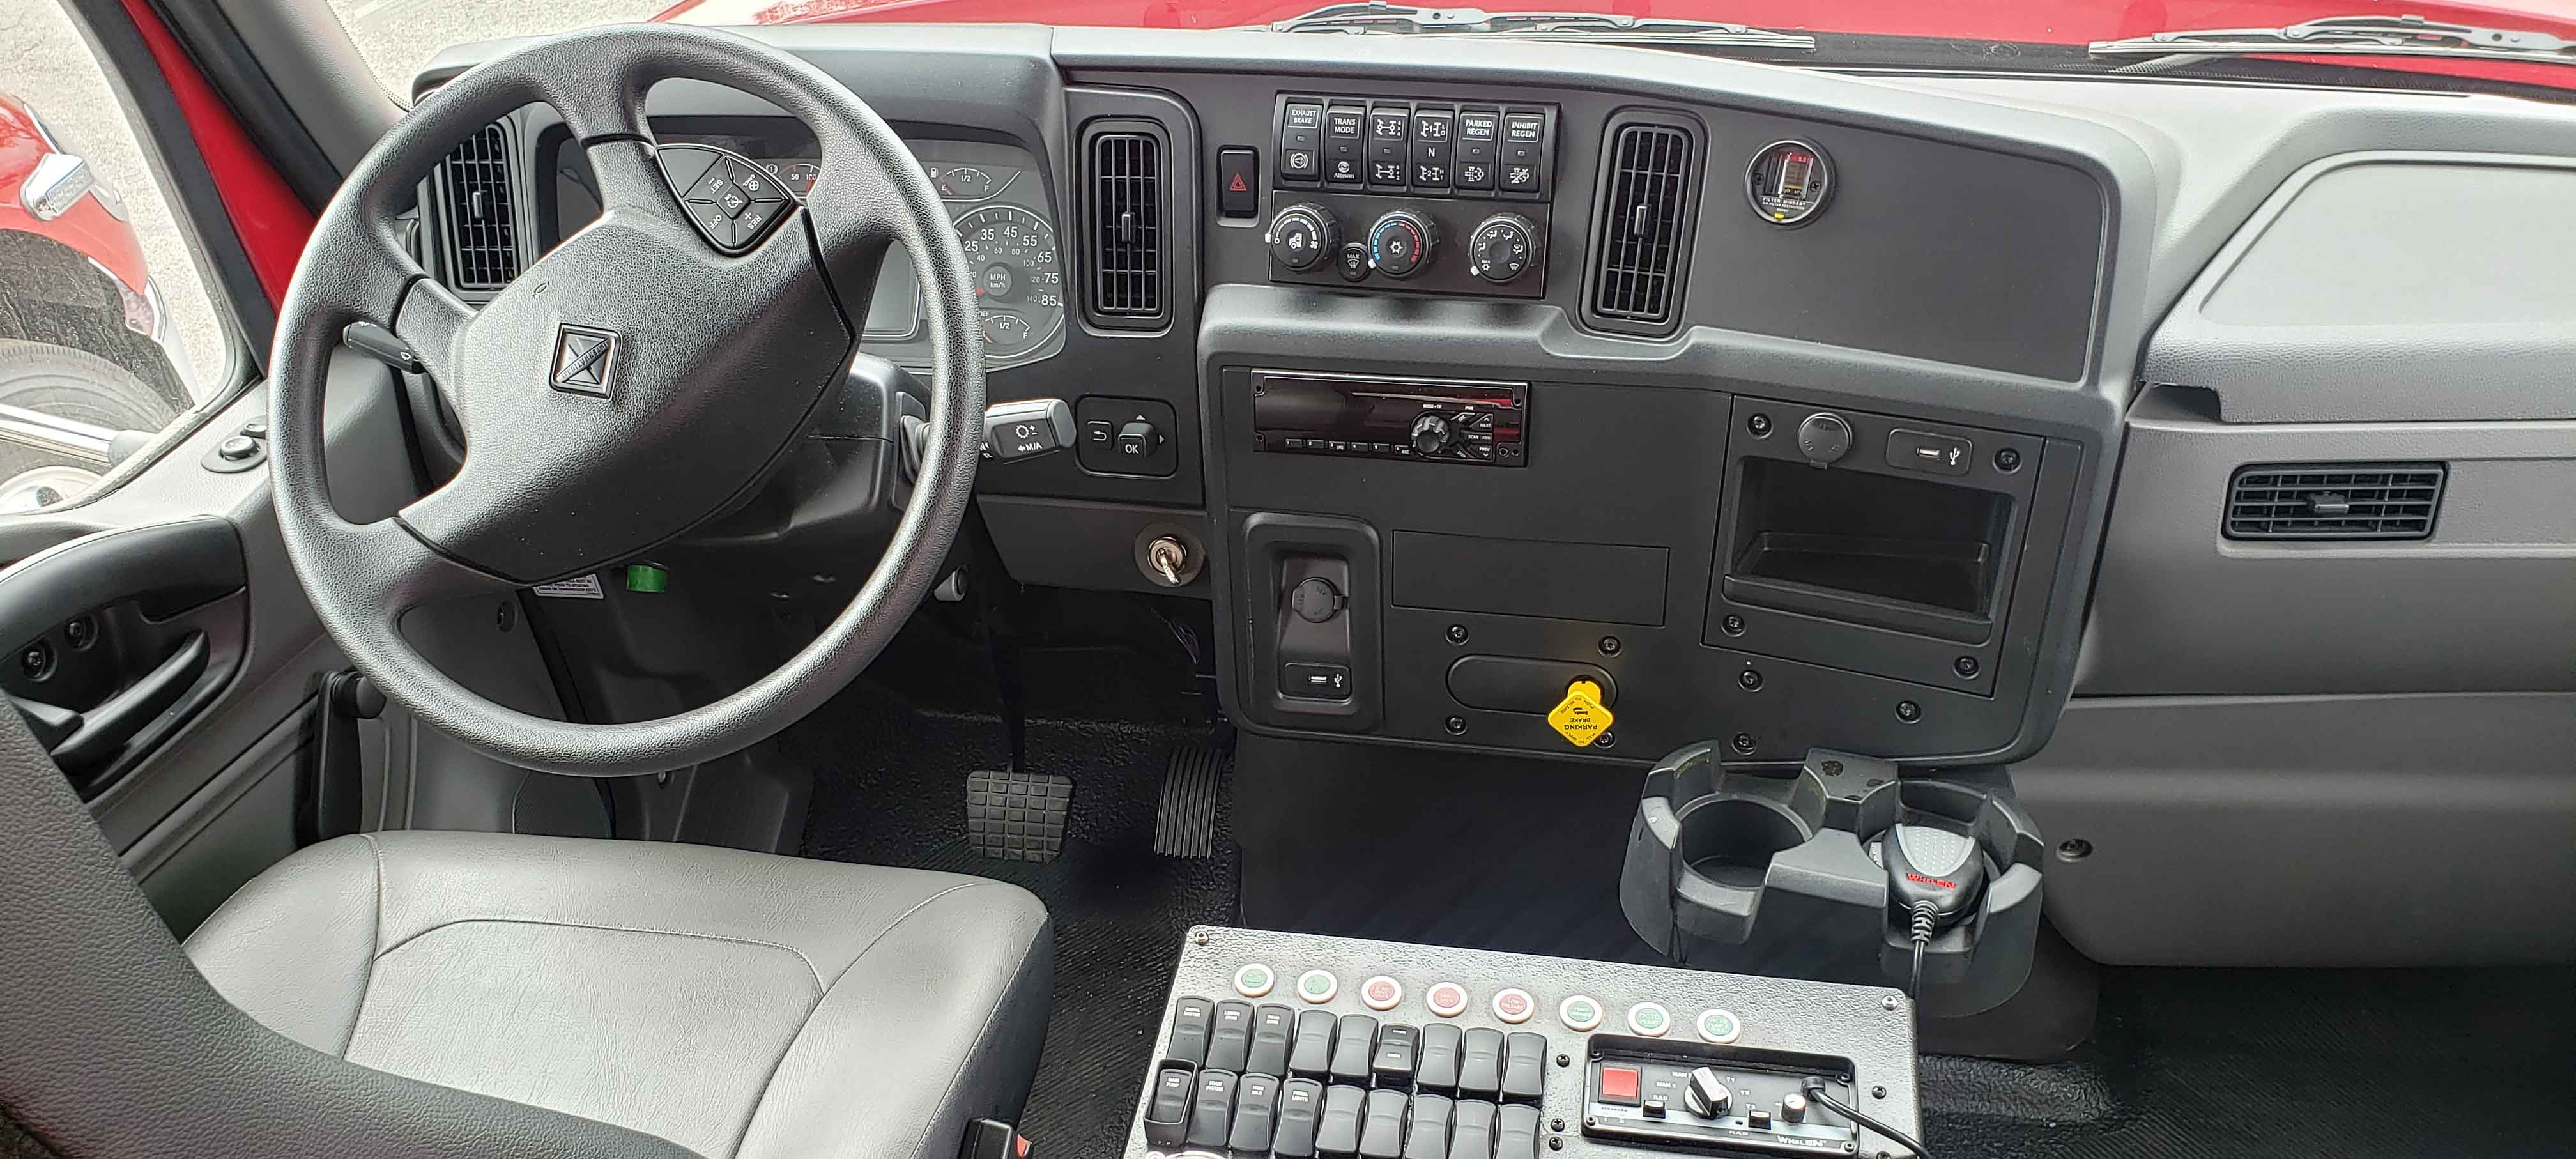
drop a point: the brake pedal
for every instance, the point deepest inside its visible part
(1185, 817)
(1017, 816)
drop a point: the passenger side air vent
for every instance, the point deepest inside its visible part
(1123, 217)
(2334, 500)
(1641, 233)
(482, 238)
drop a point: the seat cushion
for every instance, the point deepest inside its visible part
(734, 1003)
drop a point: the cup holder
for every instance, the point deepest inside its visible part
(1730, 840)
(1764, 869)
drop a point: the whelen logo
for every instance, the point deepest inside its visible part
(584, 359)
(1943, 882)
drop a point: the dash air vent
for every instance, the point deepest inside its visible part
(482, 240)
(2334, 500)
(1641, 235)
(1123, 219)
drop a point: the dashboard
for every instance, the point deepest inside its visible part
(1783, 407)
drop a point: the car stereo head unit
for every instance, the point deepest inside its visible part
(1439, 420)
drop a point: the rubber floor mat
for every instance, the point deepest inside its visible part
(888, 790)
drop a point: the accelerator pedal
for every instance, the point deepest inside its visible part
(1185, 818)
(1016, 816)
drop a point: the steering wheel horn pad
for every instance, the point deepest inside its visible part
(629, 386)
(633, 383)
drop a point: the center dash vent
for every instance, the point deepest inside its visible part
(2334, 500)
(482, 239)
(1123, 226)
(1641, 234)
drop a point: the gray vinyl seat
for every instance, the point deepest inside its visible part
(733, 1003)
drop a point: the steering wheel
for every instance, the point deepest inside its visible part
(639, 379)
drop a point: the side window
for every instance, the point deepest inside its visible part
(108, 336)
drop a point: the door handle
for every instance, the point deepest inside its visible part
(104, 730)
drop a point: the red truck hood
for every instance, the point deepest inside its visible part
(2034, 21)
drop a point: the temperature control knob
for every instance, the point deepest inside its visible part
(1502, 248)
(1400, 243)
(1302, 236)
(1431, 435)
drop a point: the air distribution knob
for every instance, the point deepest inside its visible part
(1400, 243)
(1431, 435)
(1706, 1095)
(1502, 248)
(1302, 236)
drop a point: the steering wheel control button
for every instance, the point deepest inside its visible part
(1579, 1013)
(732, 201)
(1824, 437)
(1514, 1005)
(1720, 1027)
(1381, 993)
(1254, 980)
(1318, 986)
(1649, 1020)
(1446, 999)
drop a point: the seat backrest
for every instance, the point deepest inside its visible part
(112, 1044)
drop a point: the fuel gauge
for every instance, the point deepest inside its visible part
(965, 183)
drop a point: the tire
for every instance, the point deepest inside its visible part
(66, 384)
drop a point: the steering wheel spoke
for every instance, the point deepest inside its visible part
(391, 560)
(433, 325)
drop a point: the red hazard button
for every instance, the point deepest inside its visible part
(1238, 182)
(1381, 993)
(1619, 1085)
(1514, 1005)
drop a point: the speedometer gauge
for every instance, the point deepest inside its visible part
(1019, 281)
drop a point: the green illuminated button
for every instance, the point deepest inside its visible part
(644, 577)
(1719, 1026)
(1253, 980)
(1579, 1013)
(1318, 985)
(1649, 1020)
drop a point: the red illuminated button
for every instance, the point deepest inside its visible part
(1381, 993)
(1446, 999)
(1619, 1085)
(1514, 1006)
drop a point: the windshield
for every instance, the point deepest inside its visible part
(399, 36)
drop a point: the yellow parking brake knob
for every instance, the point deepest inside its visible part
(1580, 717)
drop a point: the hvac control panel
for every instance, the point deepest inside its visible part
(1403, 194)
(1296, 1046)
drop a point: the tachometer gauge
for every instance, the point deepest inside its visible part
(1019, 281)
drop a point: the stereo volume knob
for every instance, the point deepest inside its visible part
(1503, 247)
(1302, 236)
(1400, 243)
(1431, 435)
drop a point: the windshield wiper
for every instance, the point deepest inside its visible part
(2343, 36)
(1381, 17)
